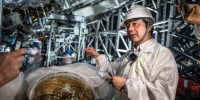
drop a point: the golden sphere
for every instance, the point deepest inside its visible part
(63, 86)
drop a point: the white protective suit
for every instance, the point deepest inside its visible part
(197, 31)
(25, 84)
(13, 90)
(153, 76)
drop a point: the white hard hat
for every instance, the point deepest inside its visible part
(137, 11)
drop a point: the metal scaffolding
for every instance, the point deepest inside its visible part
(109, 36)
(1, 12)
(108, 27)
(103, 31)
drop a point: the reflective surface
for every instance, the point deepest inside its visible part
(63, 86)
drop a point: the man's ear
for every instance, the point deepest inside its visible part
(150, 27)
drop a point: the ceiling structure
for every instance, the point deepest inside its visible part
(98, 25)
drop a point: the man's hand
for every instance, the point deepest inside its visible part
(117, 82)
(194, 16)
(90, 51)
(10, 65)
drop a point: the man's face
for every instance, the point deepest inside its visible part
(136, 30)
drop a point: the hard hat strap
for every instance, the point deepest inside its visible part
(144, 34)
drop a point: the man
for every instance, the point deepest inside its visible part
(192, 17)
(10, 64)
(148, 71)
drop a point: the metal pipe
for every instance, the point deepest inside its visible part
(117, 35)
(154, 4)
(39, 19)
(79, 42)
(170, 26)
(164, 30)
(144, 3)
(186, 55)
(29, 16)
(119, 19)
(97, 35)
(158, 9)
(104, 47)
(67, 4)
(44, 13)
(49, 49)
(112, 20)
(93, 22)
(185, 37)
(65, 57)
(160, 22)
(107, 23)
(104, 29)
(1, 14)
(83, 47)
(111, 43)
(137, 2)
(106, 44)
(89, 44)
(64, 44)
(121, 50)
(72, 48)
(117, 45)
(191, 49)
(163, 39)
(124, 42)
(66, 28)
(189, 68)
(107, 28)
(152, 10)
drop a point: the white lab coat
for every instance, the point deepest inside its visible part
(153, 76)
(197, 31)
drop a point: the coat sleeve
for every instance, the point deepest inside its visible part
(104, 66)
(197, 31)
(162, 81)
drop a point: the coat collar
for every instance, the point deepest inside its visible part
(147, 46)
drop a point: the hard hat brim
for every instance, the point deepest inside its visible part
(123, 23)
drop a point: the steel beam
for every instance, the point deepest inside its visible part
(1, 14)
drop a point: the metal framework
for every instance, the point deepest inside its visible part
(106, 35)
(1, 7)
(108, 28)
